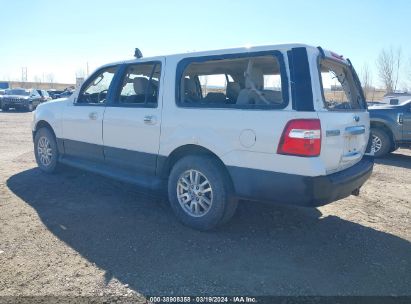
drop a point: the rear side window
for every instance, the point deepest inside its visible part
(340, 90)
(140, 85)
(232, 81)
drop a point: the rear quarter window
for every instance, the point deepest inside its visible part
(247, 81)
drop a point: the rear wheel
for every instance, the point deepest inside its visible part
(200, 192)
(5, 108)
(381, 142)
(45, 150)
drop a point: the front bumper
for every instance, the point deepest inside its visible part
(300, 190)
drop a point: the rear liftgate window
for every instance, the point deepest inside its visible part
(242, 81)
(340, 90)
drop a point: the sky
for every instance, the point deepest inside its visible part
(60, 38)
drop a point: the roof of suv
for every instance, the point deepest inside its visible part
(218, 52)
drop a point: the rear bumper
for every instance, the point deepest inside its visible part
(300, 190)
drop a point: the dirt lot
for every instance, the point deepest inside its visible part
(76, 233)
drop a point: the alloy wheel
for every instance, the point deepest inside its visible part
(194, 193)
(44, 151)
(376, 144)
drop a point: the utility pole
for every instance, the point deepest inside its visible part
(23, 75)
(87, 69)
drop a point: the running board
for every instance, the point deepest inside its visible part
(146, 181)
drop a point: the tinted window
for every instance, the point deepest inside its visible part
(140, 85)
(244, 82)
(18, 92)
(34, 93)
(95, 89)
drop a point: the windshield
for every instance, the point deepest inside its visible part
(18, 92)
(341, 90)
(43, 93)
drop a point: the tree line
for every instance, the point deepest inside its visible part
(389, 63)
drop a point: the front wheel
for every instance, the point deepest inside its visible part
(381, 143)
(30, 107)
(200, 192)
(45, 150)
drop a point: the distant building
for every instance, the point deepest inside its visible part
(4, 85)
(36, 85)
(336, 88)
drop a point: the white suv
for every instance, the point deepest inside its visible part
(283, 123)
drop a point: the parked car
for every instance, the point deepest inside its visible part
(44, 95)
(65, 94)
(54, 93)
(390, 127)
(21, 99)
(214, 127)
(2, 92)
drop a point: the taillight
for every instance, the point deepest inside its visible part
(301, 137)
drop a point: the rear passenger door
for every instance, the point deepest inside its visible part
(131, 125)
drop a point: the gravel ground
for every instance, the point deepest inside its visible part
(76, 233)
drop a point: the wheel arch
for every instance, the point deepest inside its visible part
(385, 128)
(43, 124)
(164, 166)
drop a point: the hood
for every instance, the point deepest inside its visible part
(58, 99)
(16, 96)
(53, 101)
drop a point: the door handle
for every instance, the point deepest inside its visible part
(93, 115)
(357, 130)
(150, 120)
(400, 118)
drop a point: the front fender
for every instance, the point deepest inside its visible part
(390, 122)
(50, 112)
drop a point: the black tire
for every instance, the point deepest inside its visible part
(30, 107)
(49, 136)
(385, 140)
(394, 148)
(5, 108)
(223, 203)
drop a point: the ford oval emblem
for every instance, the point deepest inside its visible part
(356, 118)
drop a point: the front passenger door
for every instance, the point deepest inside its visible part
(83, 119)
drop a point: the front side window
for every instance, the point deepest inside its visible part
(95, 90)
(34, 93)
(340, 90)
(140, 85)
(244, 82)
